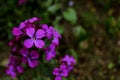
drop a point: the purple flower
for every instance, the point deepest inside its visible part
(60, 72)
(32, 37)
(16, 31)
(23, 24)
(48, 31)
(13, 69)
(56, 38)
(28, 23)
(31, 20)
(40, 33)
(14, 66)
(50, 52)
(69, 60)
(51, 32)
(30, 58)
(56, 33)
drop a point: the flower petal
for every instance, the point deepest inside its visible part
(66, 58)
(11, 72)
(22, 25)
(64, 73)
(24, 60)
(73, 61)
(28, 43)
(52, 47)
(49, 34)
(39, 43)
(58, 78)
(16, 31)
(55, 41)
(30, 32)
(24, 52)
(49, 56)
(70, 68)
(63, 66)
(40, 33)
(56, 34)
(20, 69)
(34, 54)
(33, 63)
(45, 26)
(70, 60)
(50, 52)
(56, 71)
(34, 19)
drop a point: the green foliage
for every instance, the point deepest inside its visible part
(52, 9)
(70, 15)
(79, 31)
(88, 18)
(112, 25)
(47, 3)
(110, 65)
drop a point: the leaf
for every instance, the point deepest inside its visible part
(70, 15)
(6, 78)
(79, 31)
(110, 65)
(52, 9)
(64, 78)
(47, 3)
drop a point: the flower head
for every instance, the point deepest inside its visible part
(34, 38)
(69, 60)
(14, 67)
(30, 39)
(31, 58)
(50, 52)
(48, 31)
(60, 72)
(16, 31)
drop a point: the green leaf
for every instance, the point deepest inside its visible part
(52, 9)
(64, 78)
(79, 31)
(6, 78)
(47, 3)
(110, 65)
(70, 15)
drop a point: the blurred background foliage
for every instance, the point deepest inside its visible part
(90, 32)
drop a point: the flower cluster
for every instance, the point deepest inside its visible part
(67, 64)
(31, 41)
